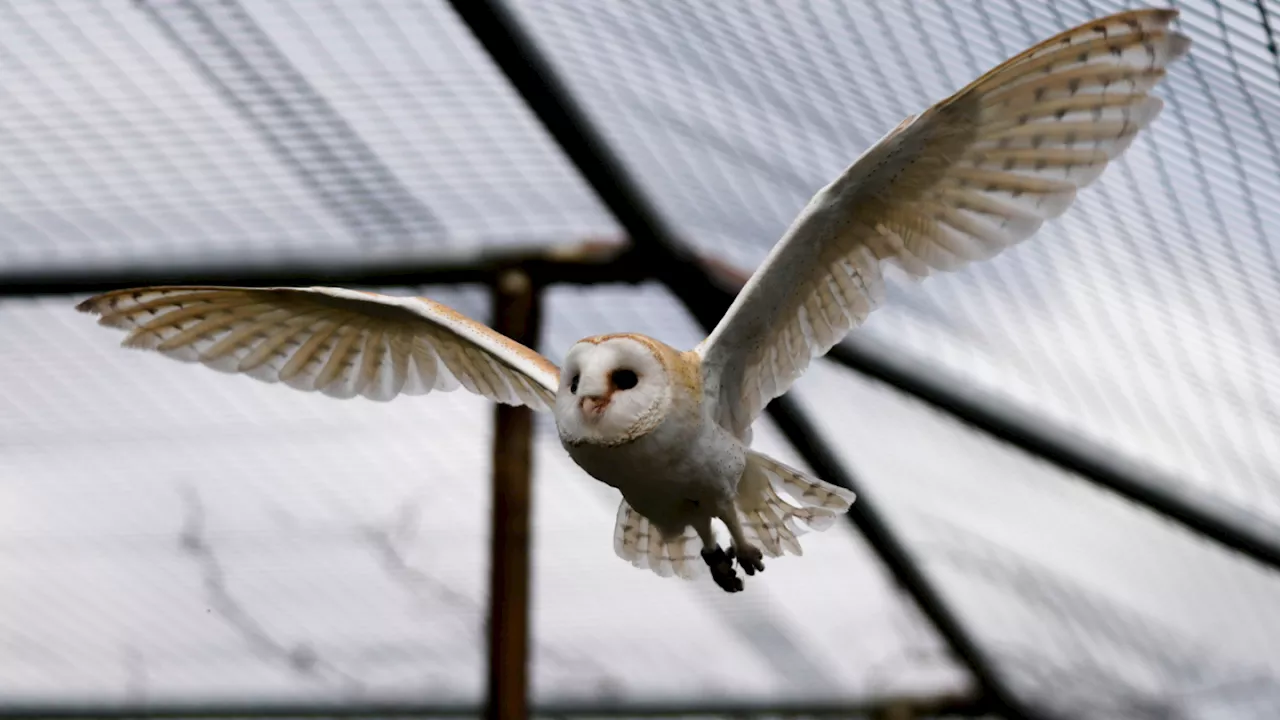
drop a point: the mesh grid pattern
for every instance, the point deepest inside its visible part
(1088, 604)
(179, 132)
(1144, 318)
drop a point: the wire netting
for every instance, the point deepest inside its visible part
(176, 134)
(173, 533)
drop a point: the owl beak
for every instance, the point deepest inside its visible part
(593, 407)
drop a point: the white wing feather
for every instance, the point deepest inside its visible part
(338, 342)
(971, 176)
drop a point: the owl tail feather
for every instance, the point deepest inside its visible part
(641, 543)
(769, 521)
(773, 524)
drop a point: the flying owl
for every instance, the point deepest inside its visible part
(671, 429)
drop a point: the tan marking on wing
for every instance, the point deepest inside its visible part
(687, 369)
(507, 343)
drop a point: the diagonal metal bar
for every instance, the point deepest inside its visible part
(670, 260)
(1231, 526)
(866, 517)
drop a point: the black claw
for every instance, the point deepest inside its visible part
(752, 563)
(729, 583)
(721, 564)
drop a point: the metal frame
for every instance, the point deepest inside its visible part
(517, 314)
(1197, 511)
(657, 253)
(889, 707)
(586, 263)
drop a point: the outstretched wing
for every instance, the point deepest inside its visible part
(339, 342)
(969, 177)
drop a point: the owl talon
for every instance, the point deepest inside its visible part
(721, 564)
(749, 557)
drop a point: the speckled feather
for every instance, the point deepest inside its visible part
(342, 343)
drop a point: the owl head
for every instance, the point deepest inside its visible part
(613, 389)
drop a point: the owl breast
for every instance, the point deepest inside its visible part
(686, 461)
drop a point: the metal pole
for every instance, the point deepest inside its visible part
(516, 302)
(866, 517)
(582, 263)
(1248, 534)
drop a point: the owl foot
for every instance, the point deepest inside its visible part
(721, 564)
(749, 557)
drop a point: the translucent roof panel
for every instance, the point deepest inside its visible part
(1089, 604)
(188, 133)
(172, 533)
(1144, 319)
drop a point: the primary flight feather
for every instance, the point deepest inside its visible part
(976, 173)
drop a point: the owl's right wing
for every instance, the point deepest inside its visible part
(338, 342)
(968, 178)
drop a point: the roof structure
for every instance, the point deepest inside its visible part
(1066, 457)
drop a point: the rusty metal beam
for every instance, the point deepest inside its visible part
(583, 263)
(516, 315)
(949, 705)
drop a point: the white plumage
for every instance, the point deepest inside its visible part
(972, 175)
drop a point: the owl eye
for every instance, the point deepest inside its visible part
(624, 379)
(573, 385)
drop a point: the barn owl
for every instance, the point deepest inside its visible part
(970, 176)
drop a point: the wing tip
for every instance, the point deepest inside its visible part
(90, 305)
(102, 303)
(1154, 17)
(1166, 14)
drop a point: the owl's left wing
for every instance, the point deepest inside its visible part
(339, 342)
(976, 173)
